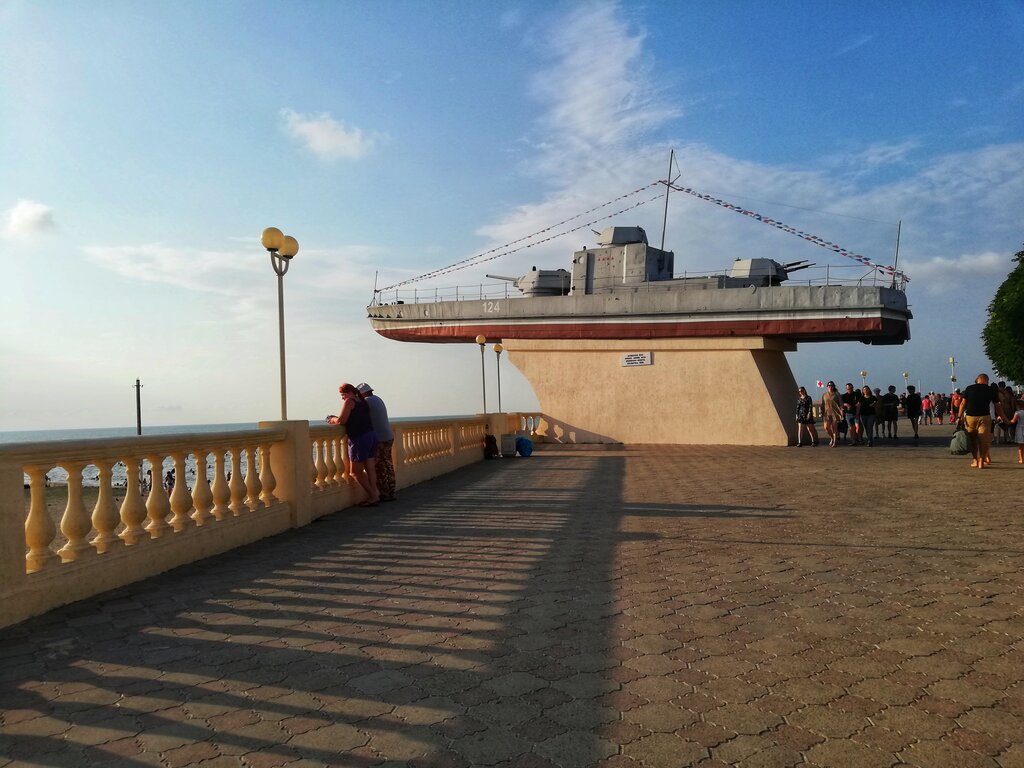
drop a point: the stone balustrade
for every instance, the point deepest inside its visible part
(229, 489)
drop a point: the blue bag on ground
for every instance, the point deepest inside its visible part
(523, 446)
(958, 446)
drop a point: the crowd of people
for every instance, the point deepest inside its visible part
(370, 442)
(859, 416)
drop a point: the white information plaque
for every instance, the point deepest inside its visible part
(637, 358)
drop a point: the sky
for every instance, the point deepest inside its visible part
(145, 146)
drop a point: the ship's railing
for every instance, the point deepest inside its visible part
(819, 275)
(81, 517)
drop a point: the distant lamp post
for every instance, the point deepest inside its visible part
(864, 378)
(906, 379)
(282, 248)
(498, 349)
(138, 407)
(482, 341)
(952, 370)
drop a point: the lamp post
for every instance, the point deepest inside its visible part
(138, 407)
(282, 248)
(482, 341)
(952, 370)
(864, 378)
(497, 367)
(906, 380)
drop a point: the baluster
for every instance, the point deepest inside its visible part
(158, 506)
(340, 447)
(181, 500)
(105, 517)
(330, 466)
(253, 487)
(267, 479)
(39, 528)
(221, 492)
(202, 496)
(236, 486)
(76, 523)
(133, 511)
(321, 466)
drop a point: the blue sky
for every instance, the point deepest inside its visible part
(144, 146)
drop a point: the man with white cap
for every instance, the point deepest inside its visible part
(385, 442)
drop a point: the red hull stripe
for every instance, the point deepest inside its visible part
(807, 330)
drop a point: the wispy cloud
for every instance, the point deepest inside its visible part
(947, 274)
(28, 219)
(220, 272)
(326, 137)
(858, 43)
(599, 101)
(858, 161)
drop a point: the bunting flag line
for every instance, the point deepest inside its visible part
(885, 270)
(505, 250)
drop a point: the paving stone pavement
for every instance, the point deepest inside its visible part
(605, 606)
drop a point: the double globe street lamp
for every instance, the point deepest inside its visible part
(482, 341)
(282, 249)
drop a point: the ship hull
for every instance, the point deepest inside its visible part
(869, 314)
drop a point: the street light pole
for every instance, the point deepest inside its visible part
(864, 378)
(482, 341)
(497, 366)
(906, 379)
(952, 370)
(282, 248)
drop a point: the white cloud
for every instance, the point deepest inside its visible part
(949, 274)
(326, 137)
(221, 272)
(28, 219)
(600, 101)
(872, 157)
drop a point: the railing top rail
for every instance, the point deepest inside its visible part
(135, 445)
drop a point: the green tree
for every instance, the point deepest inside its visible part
(1004, 332)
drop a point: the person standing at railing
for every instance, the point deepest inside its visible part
(385, 442)
(362, 442)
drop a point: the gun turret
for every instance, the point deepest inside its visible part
(540, 282)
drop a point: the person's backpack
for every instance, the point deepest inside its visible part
(524, 447)
(959, 445)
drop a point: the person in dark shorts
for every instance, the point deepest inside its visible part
(362, 442)
(386, 484)
(851, 412)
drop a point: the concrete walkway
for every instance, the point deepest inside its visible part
(657, 606)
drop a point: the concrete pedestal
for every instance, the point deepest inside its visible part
(730, 391)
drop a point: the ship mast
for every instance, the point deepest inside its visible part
(668, 188)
